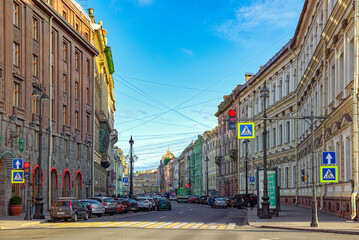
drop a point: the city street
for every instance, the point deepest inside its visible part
(185, 221)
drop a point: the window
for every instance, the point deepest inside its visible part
(64, 115)
(66, 147)
(280, 139)
(287, 84)
(88, 68)
(37, 140)
(294, 176)
(15, 14)
(274, 137)
(287, 132)
(16, 56)
(87, 123)
(77, 61)
(351, 61)
(348, 159)
(279, 177)
(332, 84)
(64, 15)
(16, 94)
(35, 66)
(34, 106)
(273, 94)
(280, 90)
(77, 119)
(34, 29)
(87, 36)
(286, 176)
(77, 26)
(76, 90)
(341, 73)
(64, 83)
(77, 151)
(87, 153)
(64, 49)
(87, 96)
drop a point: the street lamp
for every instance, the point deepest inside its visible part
(265, 204)
(246, 161)
(207, 159)
(39, 93)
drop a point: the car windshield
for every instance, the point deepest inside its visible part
(110, 200)
(94, 202)
(220, 199)
(162, 199)
(61, 204)
(85, 203)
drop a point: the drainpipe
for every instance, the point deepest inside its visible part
(296, 126)
(50, 116)
(355, 111)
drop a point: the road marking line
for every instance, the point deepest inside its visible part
(205, 226)
(231, 226)
(103, 224)
(148, 224)
(78, 225)
(188, 225)
(163, 217)
(163, 225)
(212, 227)
(180, 212)
(197, 225)
(154, 225)
(222, 227)
(123, 224)
(180, 225)
(139, 224)
(172, 225)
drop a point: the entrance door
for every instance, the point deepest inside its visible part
(53, 186)
(3, 196)
(78, 186)
(65, 185)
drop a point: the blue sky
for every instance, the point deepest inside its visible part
(174, 61)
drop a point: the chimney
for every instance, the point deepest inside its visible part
(248, 76)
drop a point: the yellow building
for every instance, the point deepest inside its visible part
(105, 134)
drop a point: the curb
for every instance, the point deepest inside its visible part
(308, 229)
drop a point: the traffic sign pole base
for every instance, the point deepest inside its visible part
(314, 224)
(39, 213)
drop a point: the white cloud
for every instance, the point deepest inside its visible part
(187, 52)
(260, 15)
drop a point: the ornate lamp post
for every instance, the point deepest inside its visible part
(39, 94)
(265, 204)
(246, 141)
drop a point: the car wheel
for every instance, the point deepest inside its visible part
(66, 219)
(74, 217)
(53, 219)
(86, 217)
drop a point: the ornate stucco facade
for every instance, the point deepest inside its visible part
(105, 134)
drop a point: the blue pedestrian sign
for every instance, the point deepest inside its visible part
(17, 163)
(329, 158)
(246, 130)
(125, 180)
(17, 176)
(328, 174)
(252, 179)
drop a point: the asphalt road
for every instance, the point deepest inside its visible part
(185, 221)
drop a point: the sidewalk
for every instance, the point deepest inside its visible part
(299, 218)
(15, 222)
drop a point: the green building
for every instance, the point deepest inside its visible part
(196, 166)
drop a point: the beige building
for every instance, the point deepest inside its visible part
(145, 183)
(209, 151)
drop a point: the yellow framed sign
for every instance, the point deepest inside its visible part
(246, 130)
(328, 174)
(17, 176)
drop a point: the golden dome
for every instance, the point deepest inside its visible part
(168, 154)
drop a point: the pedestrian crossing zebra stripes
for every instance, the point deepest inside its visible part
(144, 224)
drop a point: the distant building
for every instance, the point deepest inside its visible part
(145, 183)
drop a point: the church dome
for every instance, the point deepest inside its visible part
(168, 154)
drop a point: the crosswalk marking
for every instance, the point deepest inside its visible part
(205, 226)
(197, 225)
(212, 227)
(103, 224)
(163, 225)
(154, 225)
(139, 224)
(188, 225)
(172, 225)
(180, 225)
(231, 226)
(222, 227)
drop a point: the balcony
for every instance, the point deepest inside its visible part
(218, 160)
(233, 154)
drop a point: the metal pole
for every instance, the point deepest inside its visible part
(39, 214)
(265, 198)
(246, 161)
(131, 167)
(207, 175)
(314, 222)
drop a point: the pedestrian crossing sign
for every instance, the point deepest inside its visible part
(246, 130)
(17, 176)
(328, 174)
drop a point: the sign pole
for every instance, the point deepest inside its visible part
(314, 222)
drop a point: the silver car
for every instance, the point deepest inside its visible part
(220, 202)
(145, 203)
(110, 204)
(95, 207)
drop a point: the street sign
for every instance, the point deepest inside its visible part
(329, 158)
(17, 163)
(17, 176)
(328, 174)
(252, 179)
(125, 180)
(246, 130)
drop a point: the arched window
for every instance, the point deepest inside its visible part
(287, 84)
(295, 78)
(280, 90)
(273, 94)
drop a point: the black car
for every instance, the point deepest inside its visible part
(244, 200)
(67, 208)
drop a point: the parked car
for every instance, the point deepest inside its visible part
(110, 204)
(245, 200)
(134, 205)
(173, 198)
(126, 204)
(120, 208)
(144, 203)
(163, 203)
(68, 209)
(203, 200)
(220, 202)
(94, 207)
(191, 199)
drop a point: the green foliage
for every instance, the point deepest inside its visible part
(16, 200)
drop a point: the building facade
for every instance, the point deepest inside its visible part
(209, 168)
(145, 183)
(105, 134)
(46, 46)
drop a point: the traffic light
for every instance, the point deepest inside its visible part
(303, 176)
(27, 170)
(232, 119)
